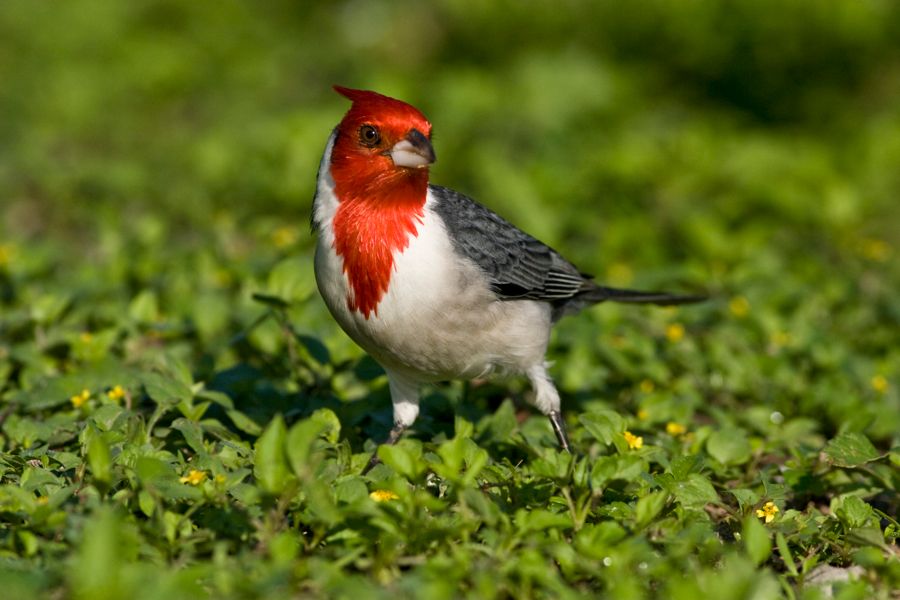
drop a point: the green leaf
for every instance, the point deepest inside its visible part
(649, 506)
(321, 503)
(243, 422)
(99, 458)
(219, 398)
(166, 391)
(626, 467)
(269, 465)
(499, 426)
(144, 308)
(729, 446)
(299, 443)
(192, 433)
(331, 425)
(756, 540)
(97, 569)
(695, 491)
(745, 497)
(146, 503)
(404, 457)
(852, 511)
(603, 425)
(851, 450)
(291, 280)
(540, 519)
(350, 490)
(284, 547)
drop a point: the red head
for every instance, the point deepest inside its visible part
(383, 147)
(379, 164)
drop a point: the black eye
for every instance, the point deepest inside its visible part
(369, 136)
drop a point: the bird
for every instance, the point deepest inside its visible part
(431, 284)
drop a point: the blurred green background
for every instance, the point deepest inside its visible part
(167, 151)
(157, 167)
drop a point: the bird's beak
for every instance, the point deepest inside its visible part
(414, 151)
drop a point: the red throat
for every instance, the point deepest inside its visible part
(377, 214)
(380, 204)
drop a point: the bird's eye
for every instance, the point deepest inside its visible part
(369, 136)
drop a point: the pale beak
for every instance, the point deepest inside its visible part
(414, 151)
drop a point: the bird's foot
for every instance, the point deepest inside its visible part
(559, 428)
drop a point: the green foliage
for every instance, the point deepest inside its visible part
(181, 418)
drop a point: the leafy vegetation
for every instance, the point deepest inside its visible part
(181, 418)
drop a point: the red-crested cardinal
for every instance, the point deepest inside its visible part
(431, 284)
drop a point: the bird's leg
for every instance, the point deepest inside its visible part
(405, 398)
(559, 428)
(396, 431)
(546, 398)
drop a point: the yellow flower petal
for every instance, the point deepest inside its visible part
(117, 393)
(194, 477)
(739, 306)
(383, 495)
(880, 384)
(675, 332)
(6, 254)
(673, 428)
(79, 400)
(767, 512)
(635, 442)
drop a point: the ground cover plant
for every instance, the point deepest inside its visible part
(180, 418)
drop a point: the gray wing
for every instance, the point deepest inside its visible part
(518, 265)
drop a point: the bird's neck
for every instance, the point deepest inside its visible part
(376, 215)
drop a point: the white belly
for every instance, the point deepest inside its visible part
(438, 319)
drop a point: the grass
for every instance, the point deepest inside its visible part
(182, 418)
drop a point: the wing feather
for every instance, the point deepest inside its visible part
(517, 264)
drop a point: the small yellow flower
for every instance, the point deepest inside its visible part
(79, 400)
(194, 477)
(41, 500)
(220, 479)
(635, 442)
(875, 250)
(6, 254)
(86, 337)
(880, 384)
(284, 236)
(674, 332)
(675, 429)
(383, 495)
(647, 386)
(643, 414)
(767, 512)
(739, 306)
(116, 394)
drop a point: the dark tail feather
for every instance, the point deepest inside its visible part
(607, 294)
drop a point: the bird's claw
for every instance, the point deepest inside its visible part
(559, 428)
